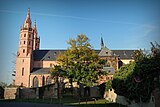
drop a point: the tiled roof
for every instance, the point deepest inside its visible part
(40, 71)
(51, 55)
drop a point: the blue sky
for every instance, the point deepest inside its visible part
(123, 24)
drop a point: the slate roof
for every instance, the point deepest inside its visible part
(47, 55)
(40, 71)
(51, 55)
(109, 70)
(105, 52)
(124, 54)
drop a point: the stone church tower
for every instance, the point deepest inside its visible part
(28, 42)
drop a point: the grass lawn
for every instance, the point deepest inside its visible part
(70, 101)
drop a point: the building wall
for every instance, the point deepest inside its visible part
(44, 64)
(22, 78)
(40, 79)
(127, 61)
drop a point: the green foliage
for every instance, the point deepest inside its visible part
(137, 80)
(108, 85)
(57, 71)
(81, 62)
(3, 84)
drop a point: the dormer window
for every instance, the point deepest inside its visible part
(48, 57)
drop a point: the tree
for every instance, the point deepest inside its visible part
(80, 61)
(57, 72)
(137, 80)
(3, 84)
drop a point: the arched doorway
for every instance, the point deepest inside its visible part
(35, 82)
(48, 80)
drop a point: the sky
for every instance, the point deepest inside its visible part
(123, 24)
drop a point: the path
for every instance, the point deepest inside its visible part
(24, 104)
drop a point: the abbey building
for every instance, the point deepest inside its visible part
(33, 65)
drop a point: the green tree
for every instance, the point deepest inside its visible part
(3, 84)
(137, 80)
(80, 61)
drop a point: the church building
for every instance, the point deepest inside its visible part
(33, 65)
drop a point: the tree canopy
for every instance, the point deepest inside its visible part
(137, 80)
(80, 61)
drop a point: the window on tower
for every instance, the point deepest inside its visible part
(22, 84)
(24, 42)
(24, 35)
(29, 35)
(22, 71)
(23, 50)
(29, 43)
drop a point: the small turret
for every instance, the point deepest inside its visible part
(34, 26)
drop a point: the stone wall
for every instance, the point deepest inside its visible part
(123, 100)
(110, 95)
(27, 93)
(48, 91)
(94, 92)
(11, 93)
(113, 97)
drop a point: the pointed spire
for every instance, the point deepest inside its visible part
(102, 43)
(28, 13)
(27, 23)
